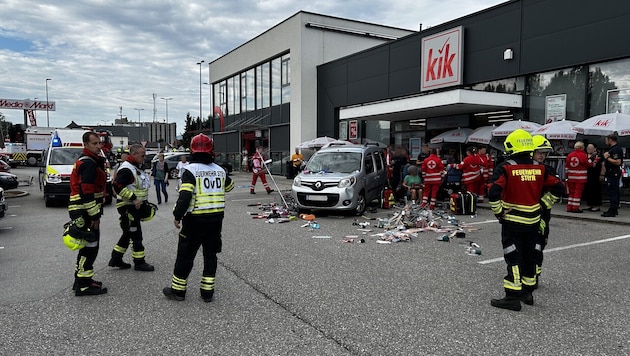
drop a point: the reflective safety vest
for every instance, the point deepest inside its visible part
(140, 186)
(208, 193)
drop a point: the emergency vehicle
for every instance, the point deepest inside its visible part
(65, 148)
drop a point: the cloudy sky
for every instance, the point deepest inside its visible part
(102, 55)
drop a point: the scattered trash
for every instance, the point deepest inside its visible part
(444, 238)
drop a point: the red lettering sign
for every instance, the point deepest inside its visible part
(442, 59)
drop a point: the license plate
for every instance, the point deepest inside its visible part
(317, 197)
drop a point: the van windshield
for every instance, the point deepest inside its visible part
(338, 162)
(64, 155)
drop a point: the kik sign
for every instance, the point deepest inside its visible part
(442, 62)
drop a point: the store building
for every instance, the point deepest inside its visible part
(535, 60)
(265, 91)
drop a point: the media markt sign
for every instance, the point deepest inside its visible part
(442, 59)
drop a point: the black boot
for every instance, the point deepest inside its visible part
(76, 284)
(207, 295)
(86, 287)
(117, 261)
(141, 265)
(510, 303)
(173, 295)
(611, 213)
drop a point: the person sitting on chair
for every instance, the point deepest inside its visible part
(413, 184)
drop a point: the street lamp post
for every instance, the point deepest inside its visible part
(139, 124)
(47, 119)
(168, 128)
(200, 111)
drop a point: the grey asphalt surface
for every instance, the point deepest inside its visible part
(281, 292)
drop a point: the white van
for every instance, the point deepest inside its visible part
(65, 148)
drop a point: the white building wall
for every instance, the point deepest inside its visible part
(309, 47)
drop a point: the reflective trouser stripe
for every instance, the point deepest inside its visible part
(178, 284)
(207, 283)
(528, 281)
(137, 255)
(514, 285)
(81, 272)
(120, 249)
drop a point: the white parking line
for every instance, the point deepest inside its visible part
(485, 262)
(483, 222)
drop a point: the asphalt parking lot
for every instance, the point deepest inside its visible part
(282, 292)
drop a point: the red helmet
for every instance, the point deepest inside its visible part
(201, 143)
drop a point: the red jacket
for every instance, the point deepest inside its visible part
(87, 184)
(471, 168)
(487, 165)
(576, 166)
(432, 168)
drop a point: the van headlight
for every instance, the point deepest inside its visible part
(346, 182)
(297, 181)
(53, 178)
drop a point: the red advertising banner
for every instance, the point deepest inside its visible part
(353, 129)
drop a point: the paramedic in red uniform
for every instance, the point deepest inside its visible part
(471, 171)
(432, 172)
(259, 171)
(487, 166)
(577, 166)
(516, 199)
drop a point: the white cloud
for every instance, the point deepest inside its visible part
(105, 54)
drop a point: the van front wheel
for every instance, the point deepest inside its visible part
(361, 205)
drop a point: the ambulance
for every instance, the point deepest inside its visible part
(65, 148)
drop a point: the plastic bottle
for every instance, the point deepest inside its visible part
(444, 238)
(473, 251)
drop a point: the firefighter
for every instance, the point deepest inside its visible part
(515, 199)
(259, 171)
(542, 148)
(577, 166)
(471, 170)
(87, 191)
(432, 172)
(132, 189)
(200, 210)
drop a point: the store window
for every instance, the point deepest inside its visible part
(609, 87)
(276, 82)
(286, 78)
(508, 85)
(557, 95)
(247, 90)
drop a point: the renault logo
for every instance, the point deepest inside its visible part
(318, 185)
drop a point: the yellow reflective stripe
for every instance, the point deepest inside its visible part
(207, 283)
(521, 219)
(529, 281)
(207, 211)
(119, 249)
(229, 186)
(516, 284)
(523, 208)
(178, 284)
(125, 193)
(496, 206)
(549, 200)
(137, 255)
(188, 187)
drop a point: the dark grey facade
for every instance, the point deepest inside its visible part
(568, 36)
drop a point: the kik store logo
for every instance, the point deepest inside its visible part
(442, 59)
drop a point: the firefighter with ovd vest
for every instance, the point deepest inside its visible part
(200, 210)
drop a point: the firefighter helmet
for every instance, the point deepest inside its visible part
(145, 213)
(519, 141)
(76, 235)
(541, 143)
(201, 143)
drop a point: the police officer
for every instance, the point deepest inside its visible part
(613, 159)
(87, 191)
(200, 209)
(132, 189)
(515, 199)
